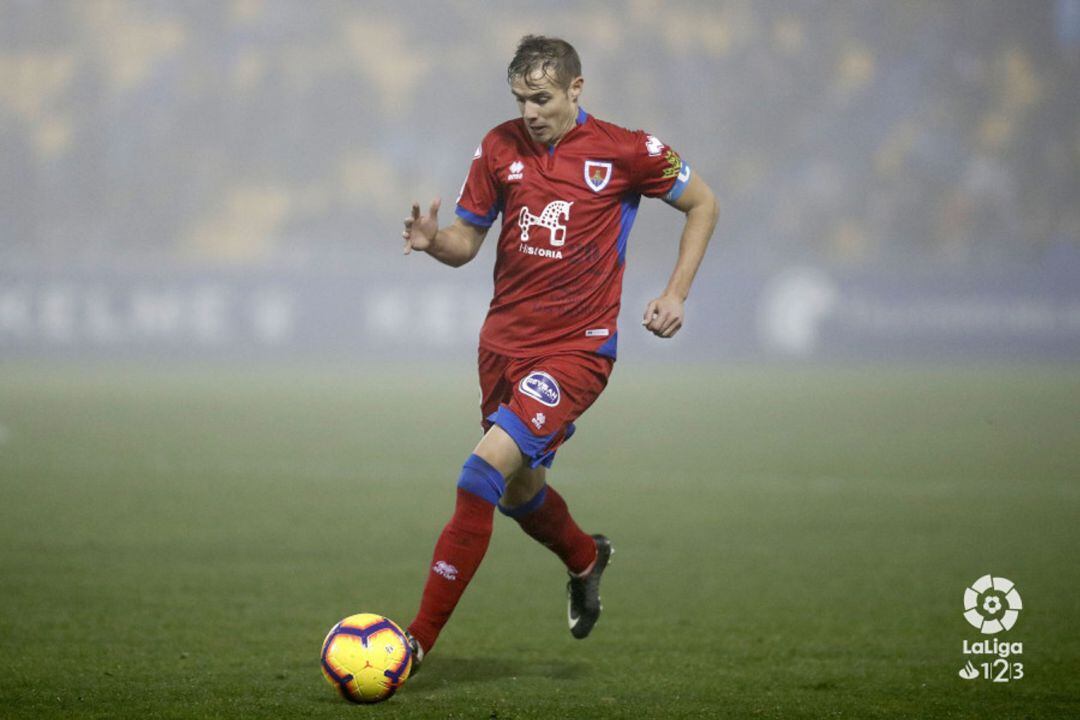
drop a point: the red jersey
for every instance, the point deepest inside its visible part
(567, 212)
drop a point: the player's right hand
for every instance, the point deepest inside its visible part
(420, 231)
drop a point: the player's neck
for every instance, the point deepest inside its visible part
(571, 123)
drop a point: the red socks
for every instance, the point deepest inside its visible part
(551, 525)
(464, 540)
(458, 553)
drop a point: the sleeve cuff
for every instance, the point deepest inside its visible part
(484, 221)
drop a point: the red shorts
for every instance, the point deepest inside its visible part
(536, 400)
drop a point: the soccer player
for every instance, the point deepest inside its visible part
(567, 186)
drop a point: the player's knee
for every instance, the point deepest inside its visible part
(522, 488)
(519, 504)
(481, 479)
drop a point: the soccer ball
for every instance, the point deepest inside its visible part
(366, 657)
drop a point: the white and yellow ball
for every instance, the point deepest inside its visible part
(366, 657)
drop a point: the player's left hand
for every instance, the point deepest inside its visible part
(664, 316)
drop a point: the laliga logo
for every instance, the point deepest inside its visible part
(992, 604)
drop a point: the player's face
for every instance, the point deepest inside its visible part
(548, 110)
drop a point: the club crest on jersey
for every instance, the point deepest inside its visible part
(542, 387)
(597, 174)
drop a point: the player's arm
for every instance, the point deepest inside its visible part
(453, 245)
(664, 315)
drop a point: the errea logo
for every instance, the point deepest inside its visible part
(653, 145)
(445, 569)
(517, 169)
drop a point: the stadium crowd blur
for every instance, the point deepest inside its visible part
(279, 133)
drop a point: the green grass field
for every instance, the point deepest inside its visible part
(791, 542)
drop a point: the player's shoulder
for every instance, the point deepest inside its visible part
(612, 130)
(509, 133)
(620, 138)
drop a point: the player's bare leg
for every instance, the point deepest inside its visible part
(499, 450)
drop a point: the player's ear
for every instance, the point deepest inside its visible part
(575, 88)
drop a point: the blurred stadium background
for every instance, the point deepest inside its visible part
(227, 179)
(213, 357)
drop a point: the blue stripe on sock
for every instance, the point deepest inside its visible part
(481, 479)
(525, 509)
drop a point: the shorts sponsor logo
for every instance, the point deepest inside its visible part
(541, 387)
(597, 174)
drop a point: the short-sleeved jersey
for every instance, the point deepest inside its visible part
(567, 212)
